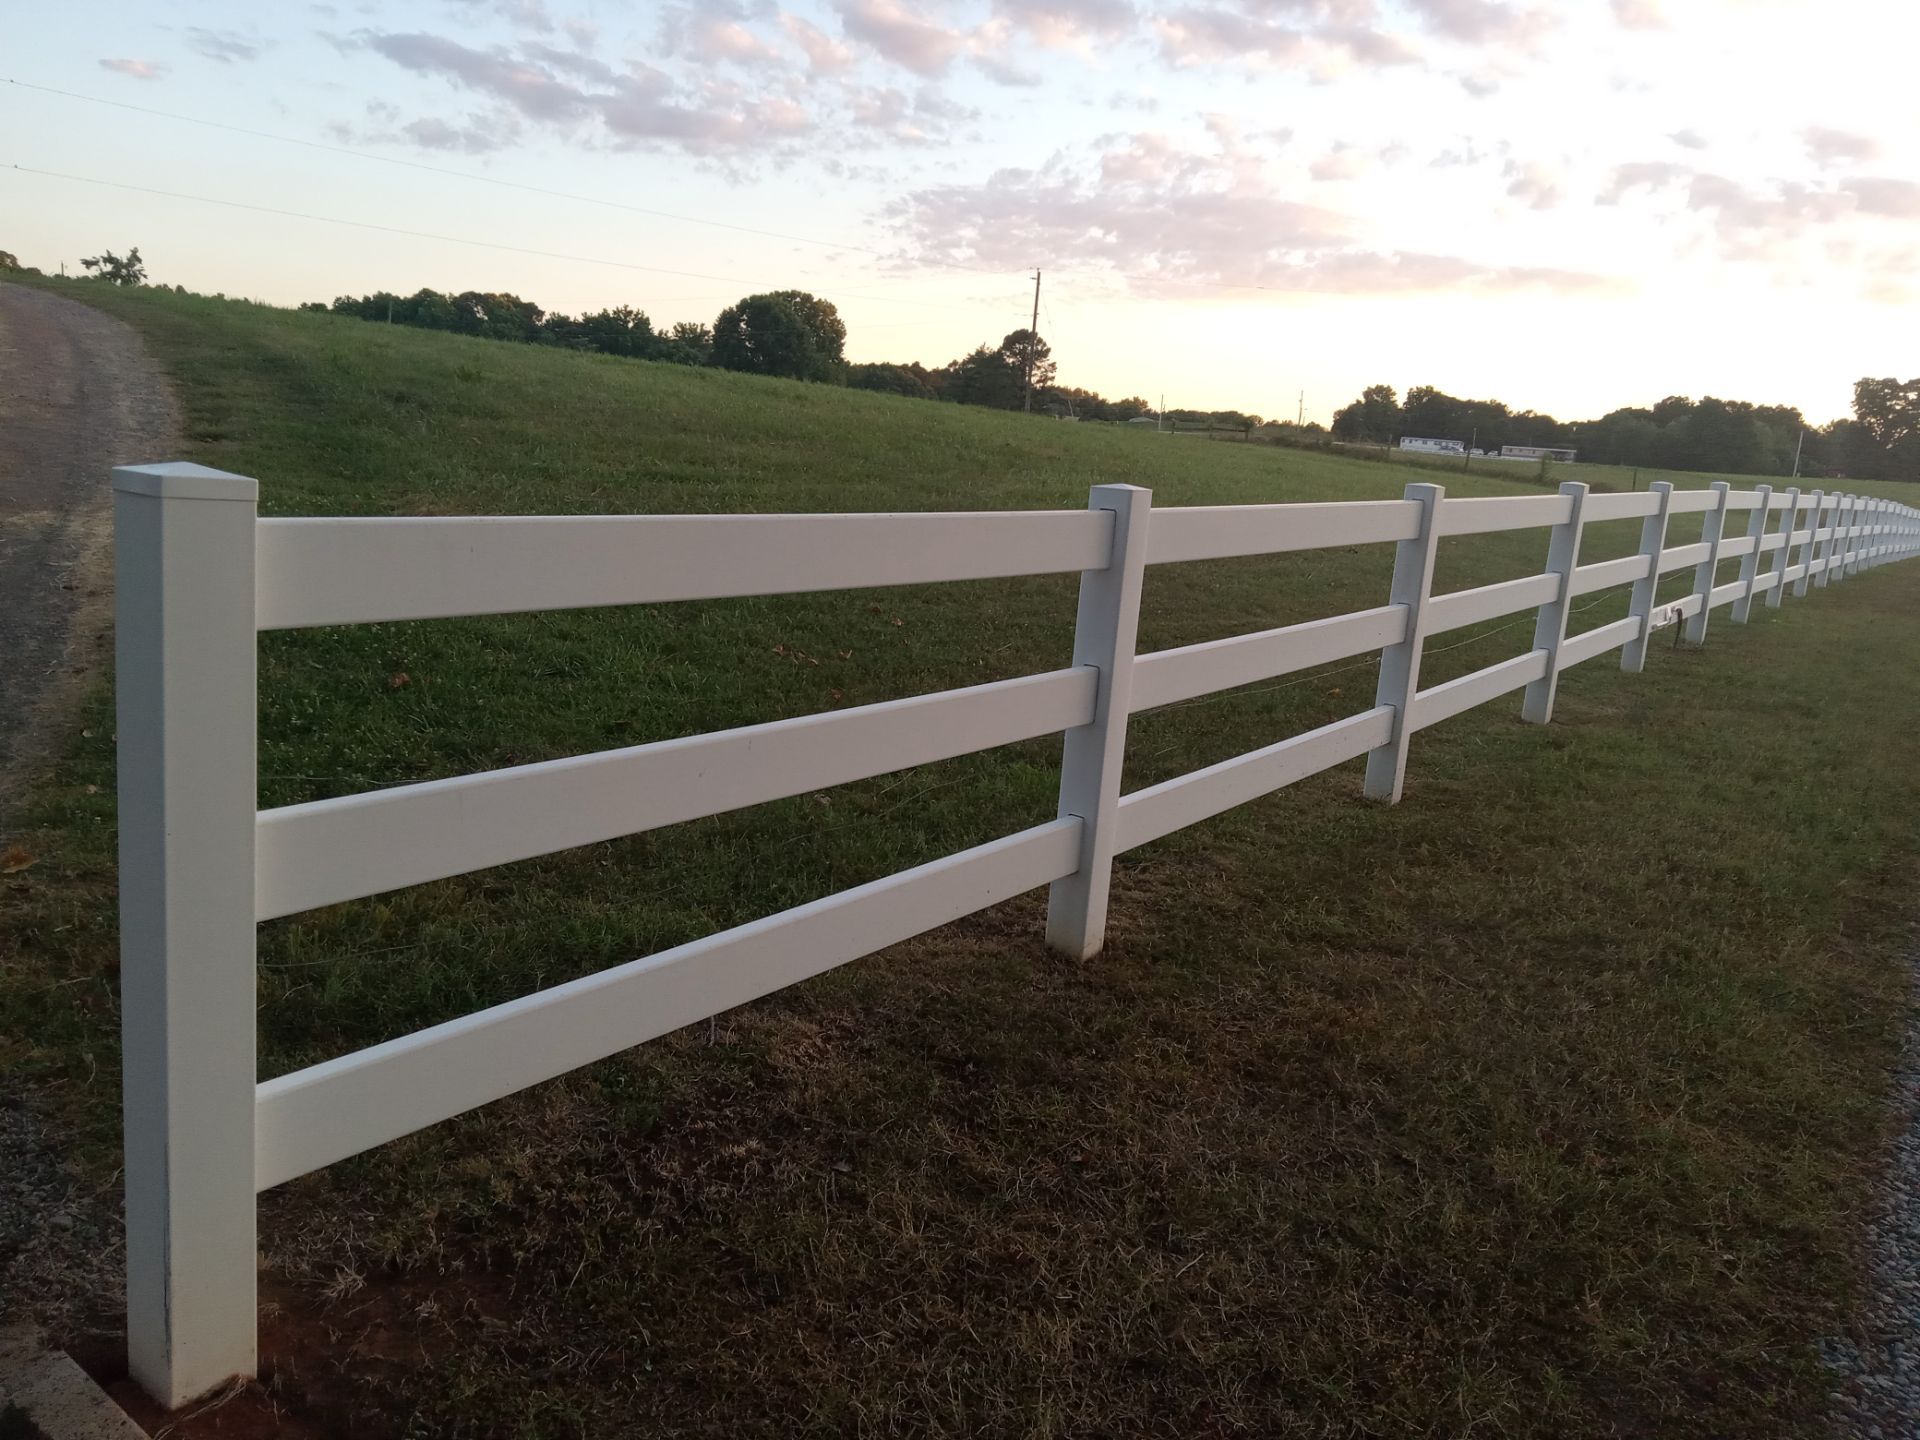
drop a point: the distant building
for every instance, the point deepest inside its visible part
(1536, 452)
(1433, 447)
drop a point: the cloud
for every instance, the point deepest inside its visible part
(577, 94)
(1839, 147)
(897, 34)
(135, 69)
(1068, 24)
(477, 135)
(1889, 199)
(713, 35)
(1533, 184)
(1342, 162)
(521, 14)
(226, 46)
(921, 119)
(1767, 220)
(1688, 139)
(1649, 175)
(1318, 31)
(1173, 220)
(1483, 22)
(826, 55)
(528, 86)
(1639, 14)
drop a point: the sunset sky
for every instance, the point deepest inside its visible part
(1570, 205)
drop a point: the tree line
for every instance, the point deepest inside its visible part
(1880, 441)
(786, 333)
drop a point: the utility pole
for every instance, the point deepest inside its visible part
(1300, 419)
(1033, 344)
(1798, 445)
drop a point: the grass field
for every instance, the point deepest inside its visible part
(1541, 1104)
(1608, 477)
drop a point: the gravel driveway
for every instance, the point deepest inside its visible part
(78, 394)
(1877, 1389)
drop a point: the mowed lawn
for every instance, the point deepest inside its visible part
(1544, 1103)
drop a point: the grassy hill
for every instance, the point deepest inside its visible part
(1539, 1104)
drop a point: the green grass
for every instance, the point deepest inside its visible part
(1542, 1104)
(1615, 477)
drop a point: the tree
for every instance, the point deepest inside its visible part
(686, 344)
(1024, 348)
(983, 377)
(911, 380)
(785, 332)
(1374, 416)
(128, 269)
(1887, 412)
(619, 331)
(9, 260)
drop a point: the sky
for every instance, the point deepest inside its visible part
(1265, 205)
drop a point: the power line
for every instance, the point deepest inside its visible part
(940, 262)
(422, 165)
(435, 236)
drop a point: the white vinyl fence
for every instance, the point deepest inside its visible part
(200, 574)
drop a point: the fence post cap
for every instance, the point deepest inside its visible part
(183, 480)
(1573, 487)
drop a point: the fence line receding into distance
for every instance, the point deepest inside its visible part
(200, 575)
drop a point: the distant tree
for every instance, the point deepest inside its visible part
(786, 332)
(319, 305)
(1374, 416)
(1023, 348)
(1435, 414)
(1886, 419)
(685, 344)
(983, 377)
(8, 260)
(128, 269)
(912, 380)
(1674, 407)
(621, 330)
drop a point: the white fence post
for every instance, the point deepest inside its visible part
(184, 657)
(1400, 664)
(1712, 530)
(1750, 562)
(1835, 568)
(1550, 623)
(1783, 557)
(1653, 541)
(1105, 630)
(1816, 543)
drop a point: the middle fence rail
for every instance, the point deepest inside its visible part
(201, 574)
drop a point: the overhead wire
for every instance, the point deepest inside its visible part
(436, 236)
(375, 157)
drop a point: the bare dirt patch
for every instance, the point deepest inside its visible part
(78, 395)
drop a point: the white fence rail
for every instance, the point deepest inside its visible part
(199, 575)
